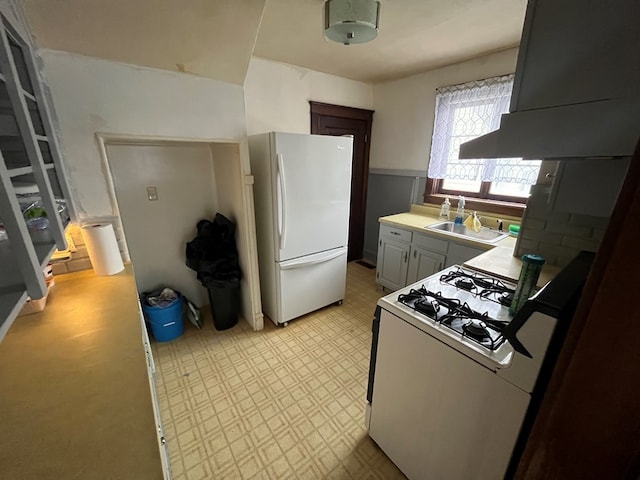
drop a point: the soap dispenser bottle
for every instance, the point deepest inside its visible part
(444, 210)
(460, 212)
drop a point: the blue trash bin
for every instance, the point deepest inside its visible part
(166, 322)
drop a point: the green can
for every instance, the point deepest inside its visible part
(529, 273)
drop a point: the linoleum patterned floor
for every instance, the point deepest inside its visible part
(283, 403)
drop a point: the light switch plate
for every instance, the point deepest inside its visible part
(152, 193)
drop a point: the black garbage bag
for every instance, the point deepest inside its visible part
(214, 257)
(213, 254)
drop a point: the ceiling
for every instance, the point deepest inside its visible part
(216, 38)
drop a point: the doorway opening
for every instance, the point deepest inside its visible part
(159, 188)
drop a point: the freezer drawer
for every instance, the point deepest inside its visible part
(311, 282)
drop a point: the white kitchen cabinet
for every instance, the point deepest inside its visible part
(405, 257)
(427, 256)
(458, 254)
(423, 264)
(393, 258)
(31, 177)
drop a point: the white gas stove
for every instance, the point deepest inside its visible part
(465, 309)
(450, 383)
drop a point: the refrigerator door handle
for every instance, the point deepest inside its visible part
(301, 262)
(282, 211)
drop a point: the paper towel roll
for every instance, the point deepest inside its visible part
(103, 248)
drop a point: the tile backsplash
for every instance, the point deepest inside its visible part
(557, 236)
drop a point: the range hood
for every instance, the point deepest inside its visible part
(576, 91)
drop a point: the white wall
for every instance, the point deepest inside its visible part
(236, 203)
(403, 122)
(125, 101)
(157, 231)
(92, 95)
(277, 95)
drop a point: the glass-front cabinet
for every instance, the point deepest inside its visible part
(33, 194)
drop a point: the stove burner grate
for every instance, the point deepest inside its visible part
(485, 287)
(457, 316)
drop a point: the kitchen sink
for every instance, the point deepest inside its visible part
(484, 235)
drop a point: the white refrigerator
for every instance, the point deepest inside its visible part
(302, 189)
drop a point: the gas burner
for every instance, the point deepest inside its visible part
(426, 307)
(428, 303)
(506, 299)
(476, 329)
(465, 284)
(475, 326)
(488, 335)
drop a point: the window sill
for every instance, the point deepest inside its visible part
(479, 204)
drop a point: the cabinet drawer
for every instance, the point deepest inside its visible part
(430, 243)
(395, 233)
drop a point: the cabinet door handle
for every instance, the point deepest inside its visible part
(406, 254)
(414, 253)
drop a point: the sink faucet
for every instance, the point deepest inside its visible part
(499, 225)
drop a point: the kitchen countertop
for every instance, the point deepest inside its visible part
(498, 260)
(501, 263)
(75, 399)
(418, 221)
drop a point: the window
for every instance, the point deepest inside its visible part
(464, 112)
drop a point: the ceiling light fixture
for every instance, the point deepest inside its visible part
(351, 21)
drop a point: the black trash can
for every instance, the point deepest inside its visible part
(225, 306)
(214, 256)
